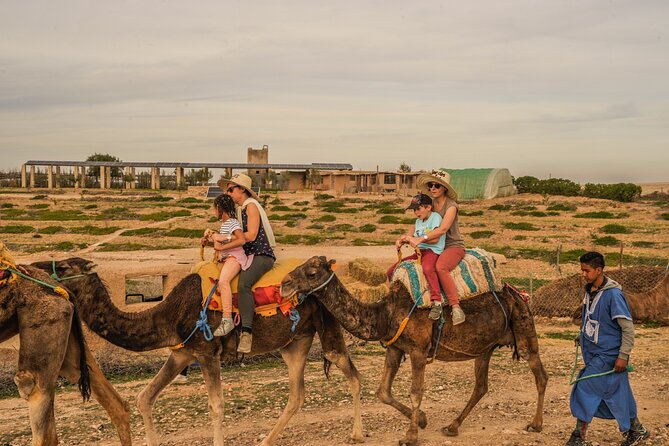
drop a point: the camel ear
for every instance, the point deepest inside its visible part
(332, 264)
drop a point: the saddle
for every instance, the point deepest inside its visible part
(266, 292)
(475, 275)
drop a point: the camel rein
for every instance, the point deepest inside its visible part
(202, 323)
(302, 296)
(573, 381)
(4, 265)
(55, 277)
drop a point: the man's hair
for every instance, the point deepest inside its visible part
(224, 203)
(593, 258)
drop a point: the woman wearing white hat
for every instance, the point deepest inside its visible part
(259, 242)
(437, 185)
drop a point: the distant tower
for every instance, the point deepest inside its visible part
(258, 156)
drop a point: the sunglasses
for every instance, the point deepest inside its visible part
(231, 189)
(430, 185)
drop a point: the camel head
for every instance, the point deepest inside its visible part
(66, 268)
(307, 277)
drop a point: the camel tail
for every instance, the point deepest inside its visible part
(84, 378)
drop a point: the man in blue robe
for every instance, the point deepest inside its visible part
(606, 338)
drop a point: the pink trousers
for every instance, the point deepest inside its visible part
(446, 263)
(429, 262)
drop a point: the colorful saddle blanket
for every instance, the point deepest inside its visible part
(473, 276)
(265, 291)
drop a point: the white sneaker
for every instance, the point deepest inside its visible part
(227, 325)
(458, 315)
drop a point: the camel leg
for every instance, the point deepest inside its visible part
(481, 367)
(41, 355)
(147, 397)
(540, 379)
(418, 363)
(115, 406)
(295, 356)
(385, 390)
(211, 372)
(335, 351)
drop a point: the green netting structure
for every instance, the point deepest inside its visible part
(481, 184)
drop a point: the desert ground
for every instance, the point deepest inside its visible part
(130, 235)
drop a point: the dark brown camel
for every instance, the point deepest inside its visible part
(489, 325)
(170, 322)
(52, 345)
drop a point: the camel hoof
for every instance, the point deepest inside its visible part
(449, 431)
(422, 420)
(531, 428)
(355, 440)
(405, 442)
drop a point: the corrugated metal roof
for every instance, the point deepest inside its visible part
(275, 166)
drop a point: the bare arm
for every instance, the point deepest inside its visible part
(237, 240)
(252, 222)
(446, 222)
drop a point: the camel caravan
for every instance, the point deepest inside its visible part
(273, 305)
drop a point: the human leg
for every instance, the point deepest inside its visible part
(229, 270)
(446, 262)
(247, 278)
(391, 270)
(577, 437)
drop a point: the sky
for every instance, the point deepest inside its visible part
(576, 89)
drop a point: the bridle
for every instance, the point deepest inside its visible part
(302, 296)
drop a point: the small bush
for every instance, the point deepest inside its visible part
(61, 215)
(164, 215)
(312, 239)
(664, 216)
(643, 244)
(562, 207)
(293, 216)
(530, 213)
(601, 214)
(500, 207)
(390, 210)
(6, 205)
(94, 230)
(615, 229)
(481, 234)
(91, 206)
(116, 213)
(190, 200)
(143, 231)
(323, 197)
(52, 230)
(38, 206)
(301, 203)
(519, 237)
(397, 232)
(291, 223)
(624, 192)
(158, 198)
(276, 201)
(290, 239)
(367, 228)
(471, 213)
(185, 233)
(16, 229)
(390, 220)
(608, 240)
(315, 226)
(212, 219)
(39, 197)
(521, 226)
(282, 208)
(326, 218)
(12, 213)
(343, 227)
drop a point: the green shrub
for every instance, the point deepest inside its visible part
(390, 210)
(315, 226)
(364, 242)
(291, 223)
(61, 215)
(481, 234)
(52, 230)
(185, 233)
(367, 228)
(664, 216)
(500, 207)
(290, 239)
(191, 200)
(643, 244)
(276, 201)
(397, 231)
(164, 215)
(16, 229)
(91, 206)
(519, 237)
(562, 207)
(116, 213)
(323, 196)
(94, 230)
(6, 205)
(624, 192)
(608, 240)
(390, 220)
(530, 213)
(38, 206)
(11, 213)
(343, 227)
(470, 213)
(159, 198)
(212, 219)
(521, 226)
(551, 186)
(282, 208)
(293, 216)
(312, 239)
(326, 218)
(601, 214)
(39, 197)
(615, 229)
(143, 231)
(196, 206)
(301, 203)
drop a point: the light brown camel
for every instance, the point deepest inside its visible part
(169, 322)
(52, 345)
(489, 325)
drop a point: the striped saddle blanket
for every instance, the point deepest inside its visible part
(476, 274)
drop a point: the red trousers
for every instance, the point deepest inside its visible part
(429, 263)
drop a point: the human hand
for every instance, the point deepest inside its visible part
(413, 241)
(620, 365)
(398, 243)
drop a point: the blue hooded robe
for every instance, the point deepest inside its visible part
(608, 396)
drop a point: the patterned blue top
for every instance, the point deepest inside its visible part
(260, 246)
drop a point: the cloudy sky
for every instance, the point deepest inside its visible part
(569, 88)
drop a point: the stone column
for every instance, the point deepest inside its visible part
(24, 179)
(57, 177)
(49, 175)
(32, 176)
(180, 176)
(133, 183)
(103, 179)
(108, 177)
(228, 172)
(75, 172)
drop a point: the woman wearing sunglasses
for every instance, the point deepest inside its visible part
(259, 243)
(437, 185)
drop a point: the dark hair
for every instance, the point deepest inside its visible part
(224, 203)
(593, 258)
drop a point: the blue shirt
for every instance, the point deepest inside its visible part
(425, 227)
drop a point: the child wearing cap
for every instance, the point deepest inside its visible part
(426, 222)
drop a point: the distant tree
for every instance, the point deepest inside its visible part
(198, 177)
(526, 184)
(404, 168)
(624, 192)
(313, 178)
(95, 171)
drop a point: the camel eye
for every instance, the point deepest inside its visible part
(311, 272)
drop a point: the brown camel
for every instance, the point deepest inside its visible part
(490, 324)
(52, 345)
(170, 322)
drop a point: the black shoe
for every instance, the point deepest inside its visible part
(635, 436)
(577, 440)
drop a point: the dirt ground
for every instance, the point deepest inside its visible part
(256, 393)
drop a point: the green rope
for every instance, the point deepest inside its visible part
(573, 381)
(55, 277)
(20, 274)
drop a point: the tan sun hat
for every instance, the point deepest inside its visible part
(437, 176)
(238, 179)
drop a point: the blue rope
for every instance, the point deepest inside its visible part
(295, 317)
(202, 323)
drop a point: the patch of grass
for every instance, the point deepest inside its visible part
(367, 228)
(289, 239)
(397, 231)
(535, 213)
(38, 206)
(664, 216)
(6, 205)
(643, 244)
(326, 218)
(141, 231)
(390, 210)
(390, 220)
(651, 324)
(61, 215)
(608, 240)
(363, 242)
(159, 198)
(313, 239)
(62, 246)
(521, 226)
(52, 230)
(562, 207)
(11, 213)
(212, 219)
(185, 233)
(343, 227)
(188, 200)
(116, 213)
(282, 208)
(471, 213)
(482, 234)
(293, 216)
(91, 206)
(519, 237)
(16, 229)
(614, 228)
(323, 196)
(291, 223)
(613, 258)
(196, 206)
(500, 207)
(301, 203)
(109, 247)
(39, 197)
(164, 215)
(602, 214)
(94, 230)
(315, 226)
(276, 201)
